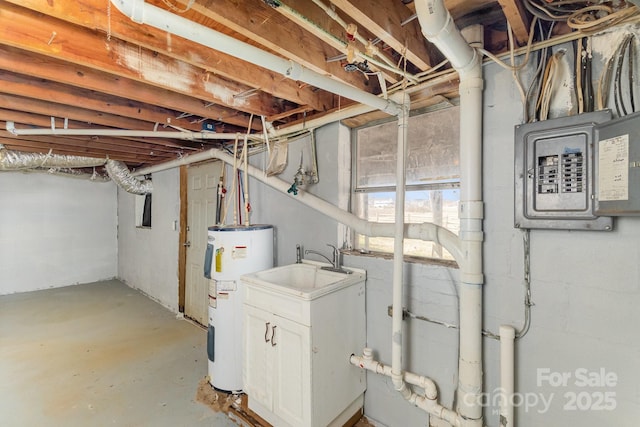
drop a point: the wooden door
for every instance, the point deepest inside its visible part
(202, 182)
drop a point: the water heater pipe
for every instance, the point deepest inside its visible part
(144, 13)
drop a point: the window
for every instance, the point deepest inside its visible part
(432, 178)
(143, 211)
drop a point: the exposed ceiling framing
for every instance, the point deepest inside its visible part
(81, 64)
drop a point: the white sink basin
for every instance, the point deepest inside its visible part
(307, 280)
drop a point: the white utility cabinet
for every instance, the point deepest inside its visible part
(298, 341)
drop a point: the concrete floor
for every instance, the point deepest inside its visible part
(99, 354)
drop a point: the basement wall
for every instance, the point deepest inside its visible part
(148, 257)
(55, 231)
(585, 286)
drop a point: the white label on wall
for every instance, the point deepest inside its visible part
(613, 172)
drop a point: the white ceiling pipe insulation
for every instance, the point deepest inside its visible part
(144, 13)
(438, 27)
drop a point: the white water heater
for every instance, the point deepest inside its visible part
(231, 252)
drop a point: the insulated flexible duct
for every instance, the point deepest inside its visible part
(71, 173)
(120, 174)
(16, 160)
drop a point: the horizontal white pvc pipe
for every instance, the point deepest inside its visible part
(183, 135)
(425, 231)
(428, 402)
(144, 13)
(366, 361)
(313, 123)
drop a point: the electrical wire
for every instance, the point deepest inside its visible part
(579, 15)
(548, 83)
(625, 47)
(536, 81)
(528, 303)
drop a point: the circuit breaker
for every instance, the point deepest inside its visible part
(554, 174)
(617, 166)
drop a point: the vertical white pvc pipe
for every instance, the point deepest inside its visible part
(438, 27)
(470, 294)
(398, 253)
(507, 381)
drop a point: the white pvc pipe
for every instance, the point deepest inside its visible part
(438, 27)
(426, 231)
(428, 402)
(507, 380)
(398, 255)
(182, 135)
(144, 13)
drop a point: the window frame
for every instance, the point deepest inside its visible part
(435, 185)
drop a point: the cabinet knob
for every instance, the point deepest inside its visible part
(273, 336)
(266, 331)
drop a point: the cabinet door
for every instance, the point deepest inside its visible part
(257, 368)
(291, 346)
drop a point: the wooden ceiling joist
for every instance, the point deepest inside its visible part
(93, 15)
(267, 28)
(47, 36)
(84, 77)
(518, 18)
(16, 84)
(384, 19)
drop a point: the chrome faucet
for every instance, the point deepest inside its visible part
(335, 262)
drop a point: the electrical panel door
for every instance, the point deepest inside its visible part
(554, 174)
(617, 166)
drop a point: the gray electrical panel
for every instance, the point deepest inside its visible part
(617, 166)
(554, 174)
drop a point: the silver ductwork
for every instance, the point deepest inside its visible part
(59, 164)
(121, 175)
(16, 160)
(71, 173)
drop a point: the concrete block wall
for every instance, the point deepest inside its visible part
(148, 257)
(55, 231)
(585, 285)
